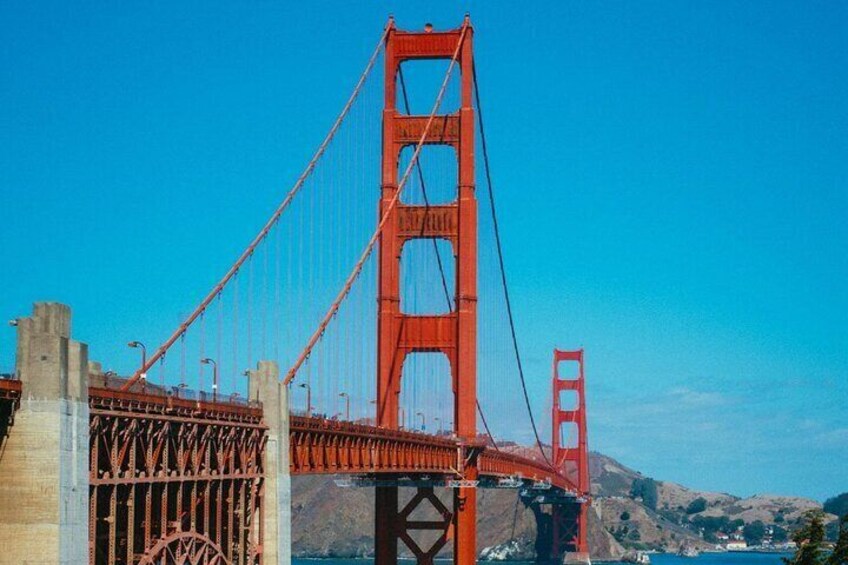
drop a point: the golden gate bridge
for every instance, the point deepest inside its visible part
(382, 351)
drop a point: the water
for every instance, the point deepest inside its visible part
(721, 559)
(656, 559)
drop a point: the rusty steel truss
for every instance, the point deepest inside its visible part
(174, 481)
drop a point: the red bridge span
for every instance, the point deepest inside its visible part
(170, 464)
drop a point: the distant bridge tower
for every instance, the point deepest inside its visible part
(454, 334)
(569, 521)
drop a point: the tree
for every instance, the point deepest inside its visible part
(710, 525)
(840, 551)
(646, 489)
(837, 505)
(754, 532)
(625, 516)
(808, 538)
(697, 505)
(734, 525)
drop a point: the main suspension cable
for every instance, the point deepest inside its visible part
(248, 252)
(502, 268)
(357, 269)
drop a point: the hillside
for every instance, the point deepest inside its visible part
(332, 521)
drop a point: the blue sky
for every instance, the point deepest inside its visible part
(672, 180)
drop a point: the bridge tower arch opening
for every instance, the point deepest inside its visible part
(453, 333)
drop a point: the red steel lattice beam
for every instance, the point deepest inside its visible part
(170, 474)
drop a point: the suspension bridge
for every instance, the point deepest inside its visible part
(385, 353)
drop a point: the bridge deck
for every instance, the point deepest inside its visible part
(321, 446)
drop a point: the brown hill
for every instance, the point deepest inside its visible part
(333, 521)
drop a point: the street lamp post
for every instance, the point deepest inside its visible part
(374, 402)
(423, 421)
(106, 376)
(208, 361)
(439, 422)
(308, 398)
(402, 418)
(346, 396)
(139, 345)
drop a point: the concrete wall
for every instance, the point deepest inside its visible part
(44, 461)
(265, 386)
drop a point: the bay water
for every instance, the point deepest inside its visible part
(733, 558)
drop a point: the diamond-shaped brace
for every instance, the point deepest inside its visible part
(406, 525)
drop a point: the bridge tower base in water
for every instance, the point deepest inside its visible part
(562, 517)
(44, 454)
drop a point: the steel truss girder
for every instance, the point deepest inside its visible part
(320, 446)
(161, 481)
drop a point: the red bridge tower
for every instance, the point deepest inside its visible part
(454, 334)
(569, 521)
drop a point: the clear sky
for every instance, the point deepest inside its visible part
(672, 178)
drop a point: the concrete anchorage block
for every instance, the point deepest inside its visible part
(44, 464)
(265, 386)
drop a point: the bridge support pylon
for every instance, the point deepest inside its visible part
(44, 460)
(562, 515)
(455, 333)
(569, 520)
(265, 386)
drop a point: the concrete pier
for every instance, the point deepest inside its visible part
(265, 386)
(44, 461)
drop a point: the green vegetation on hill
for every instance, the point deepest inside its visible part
(646, 489)
(697, 505)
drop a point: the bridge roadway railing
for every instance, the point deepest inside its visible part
(185, 403)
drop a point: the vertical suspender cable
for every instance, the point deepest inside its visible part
(502, 269)
(334, 308)
(267, 227)
(420, 172)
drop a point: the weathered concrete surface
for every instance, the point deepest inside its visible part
(44, 461)
(265, 386)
